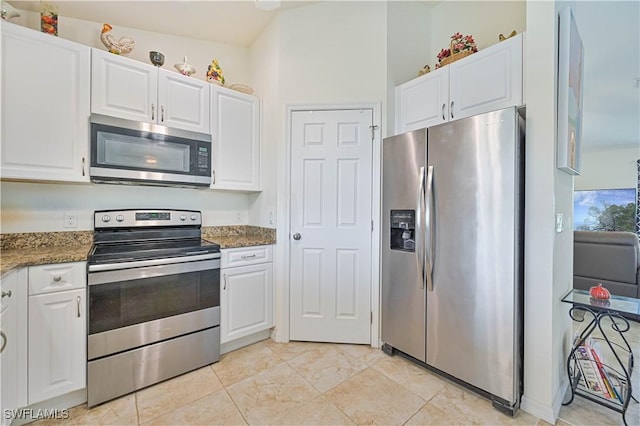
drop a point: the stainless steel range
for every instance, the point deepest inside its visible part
(154, 300)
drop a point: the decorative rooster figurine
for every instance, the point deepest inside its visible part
(120, 47)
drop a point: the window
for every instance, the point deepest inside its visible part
(605, 210)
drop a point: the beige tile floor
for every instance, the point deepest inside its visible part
(300, 383)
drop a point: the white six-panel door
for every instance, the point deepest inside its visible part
(330, 282)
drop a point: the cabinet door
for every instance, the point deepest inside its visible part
(184, 102)
(45, 106)
(235, 127)
(246, 305)
(423, 102)
(13, 322)
(122, 87)
(488, 80)
(57, 344)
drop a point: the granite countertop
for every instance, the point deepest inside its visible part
(43, 248)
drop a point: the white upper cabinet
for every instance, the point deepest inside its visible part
(125, 88)
(485, 81)
(45, 106)
(235, 127)
(422, 102)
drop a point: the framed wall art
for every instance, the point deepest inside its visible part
(570, 89)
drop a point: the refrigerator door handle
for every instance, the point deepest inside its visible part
(419, 237)
(429, 215)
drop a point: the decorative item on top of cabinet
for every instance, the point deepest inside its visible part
(49, 18)
(45, 106)
(214, 73)
(459, 47)
(122, 46)
(8, 12)
(185, 68)
(156, 58)
(502, 37)
(425, 70)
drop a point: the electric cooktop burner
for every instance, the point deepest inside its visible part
(133, 235)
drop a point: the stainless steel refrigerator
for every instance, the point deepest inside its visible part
(452, 251)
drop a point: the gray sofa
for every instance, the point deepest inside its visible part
(610, 258)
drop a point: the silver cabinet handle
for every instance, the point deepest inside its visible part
(57, 278)
(213, 176)
(162, 113)
(83, 162)
(153, 112)
(4, 341)
(297, 236)
(419, 237)
(451, 109)
(6, 294)
(225, 282)
(247, 256)
(429, 216)
(78, 300)
(443, 116)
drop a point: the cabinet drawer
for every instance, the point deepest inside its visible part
(58, 277)
(246, 256)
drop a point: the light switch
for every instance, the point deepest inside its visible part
(559, 222)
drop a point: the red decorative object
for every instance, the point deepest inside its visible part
(599, 292)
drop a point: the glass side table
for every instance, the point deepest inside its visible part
(599, 366)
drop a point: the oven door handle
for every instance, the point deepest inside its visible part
(112, 276)
(151, 262)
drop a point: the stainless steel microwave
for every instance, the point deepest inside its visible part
(124, 151)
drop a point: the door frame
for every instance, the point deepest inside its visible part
(283, 247)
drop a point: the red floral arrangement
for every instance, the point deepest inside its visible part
(459, 43)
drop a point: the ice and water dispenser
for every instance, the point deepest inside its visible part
(403, 230)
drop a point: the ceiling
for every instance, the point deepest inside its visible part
(611, 98)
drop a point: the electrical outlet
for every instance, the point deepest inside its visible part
(70, 220)
(270, 218)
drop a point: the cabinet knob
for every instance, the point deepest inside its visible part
(57, 278)
(6, 294)
(451, 109)
(225, 282)
(443, 116)
(4, 341)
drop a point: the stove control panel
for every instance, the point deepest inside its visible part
(145, 218)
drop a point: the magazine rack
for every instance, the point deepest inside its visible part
(598, 367)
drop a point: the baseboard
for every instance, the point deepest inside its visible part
(52, 407)
(244, 341)
(547, 413)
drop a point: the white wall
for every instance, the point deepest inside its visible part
(234, 60)
(608, 168)
(484, 20)
(39, 207)
(30, 207)
(548, 255)
(408, 48)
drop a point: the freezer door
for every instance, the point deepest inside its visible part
(403, 266)
(472, 307)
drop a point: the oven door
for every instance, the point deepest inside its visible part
(132, 307)
(124, 150)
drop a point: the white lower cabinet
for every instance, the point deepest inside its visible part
(57, 359)
(246, 303)
(13, 323)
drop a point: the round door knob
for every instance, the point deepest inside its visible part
(297, 236)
